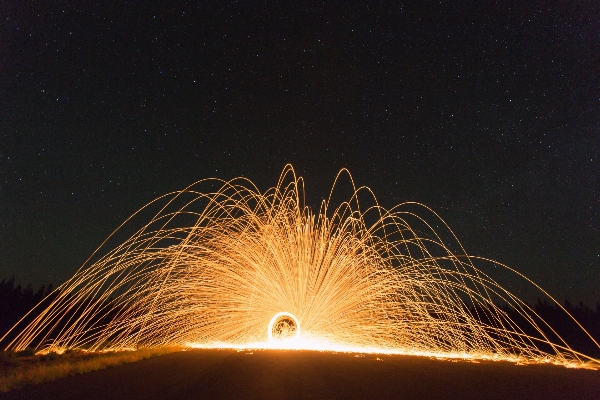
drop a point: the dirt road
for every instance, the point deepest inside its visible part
(227, 374)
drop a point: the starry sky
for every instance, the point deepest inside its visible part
(488, 112)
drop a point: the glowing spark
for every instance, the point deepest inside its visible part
(283, 326)
(243, 269)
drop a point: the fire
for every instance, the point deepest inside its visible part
(283, 326)
(216, 269)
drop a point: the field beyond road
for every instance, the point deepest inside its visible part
(278, 374)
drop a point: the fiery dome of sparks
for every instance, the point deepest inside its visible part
(239, 268)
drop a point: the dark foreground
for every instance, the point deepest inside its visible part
(227, 374)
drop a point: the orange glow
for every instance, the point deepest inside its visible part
(218, 269)
(290, 324)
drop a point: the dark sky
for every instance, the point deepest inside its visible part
(488, 113)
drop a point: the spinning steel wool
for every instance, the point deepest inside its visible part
(241, 268)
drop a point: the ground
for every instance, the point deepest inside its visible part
(276, 374)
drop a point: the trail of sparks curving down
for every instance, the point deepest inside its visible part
(213, 270)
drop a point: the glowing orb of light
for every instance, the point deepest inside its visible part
(283, 326)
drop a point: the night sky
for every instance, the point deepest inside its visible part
(488, 113)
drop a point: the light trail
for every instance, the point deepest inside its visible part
(238, 268)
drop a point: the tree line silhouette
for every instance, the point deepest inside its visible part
(16, 301)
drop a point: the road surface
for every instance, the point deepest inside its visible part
(277, 374)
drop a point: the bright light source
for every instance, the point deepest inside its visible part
(283, 326)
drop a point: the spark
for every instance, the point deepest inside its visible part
(237, 268)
